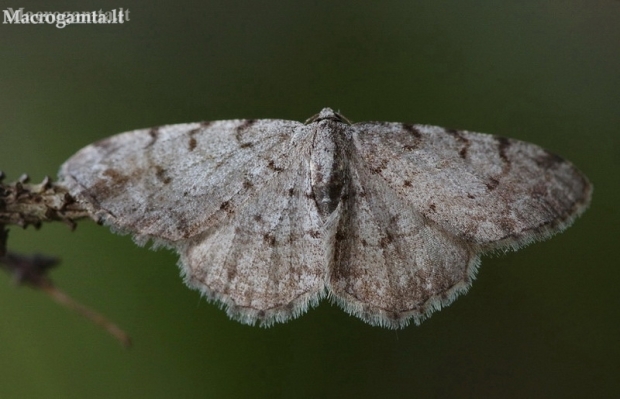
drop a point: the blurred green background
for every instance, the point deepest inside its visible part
(543, 322)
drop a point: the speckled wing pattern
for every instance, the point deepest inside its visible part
(269, 216)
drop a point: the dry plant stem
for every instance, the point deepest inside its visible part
(24, 204)
(87, 312)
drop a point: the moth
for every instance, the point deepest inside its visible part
(388, 220)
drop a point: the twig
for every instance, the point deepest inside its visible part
(87, 312)
(24, 204)
(32, 271)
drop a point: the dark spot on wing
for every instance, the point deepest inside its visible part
(433, 208)
(413, 130)
(413, 140)
(110, 186)
(154, 134)
(231, 272)
(269, 239)
(539, 190)
(379, 168)
(458, 135)
(507, 225)
(246, 124)
(549, 160)
(407, 183)
(161, 175)
(291, 192)
(314, 234)
(385, 241)
(453, 132)
(192, 143)
(272, 166)
(470, 196)
(192, 140)
(502, 145)
(227, 207)
(395, 315)
(117, 177)
(246, 145)
(107, 145)
(492, 184)
(182, 224)
(257, 218)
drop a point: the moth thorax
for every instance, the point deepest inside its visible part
(328, 171)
